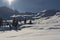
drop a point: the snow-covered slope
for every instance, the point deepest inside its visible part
(31, 34)
(53, 21)
(42, 29)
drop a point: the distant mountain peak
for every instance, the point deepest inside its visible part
(6, 12)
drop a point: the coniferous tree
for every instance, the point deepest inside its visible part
(16, 24)
(10, 26)
(1, 22)
(13, 23)
(24, 21)
(30, 22)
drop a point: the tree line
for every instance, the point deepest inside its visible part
(15, 23)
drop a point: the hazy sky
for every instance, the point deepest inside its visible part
(32, 5)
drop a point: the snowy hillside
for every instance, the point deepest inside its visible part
(53, 21)
(42, 29)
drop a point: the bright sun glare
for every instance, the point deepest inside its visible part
(10, 1)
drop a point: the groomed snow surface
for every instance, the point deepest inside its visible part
(42, 29)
